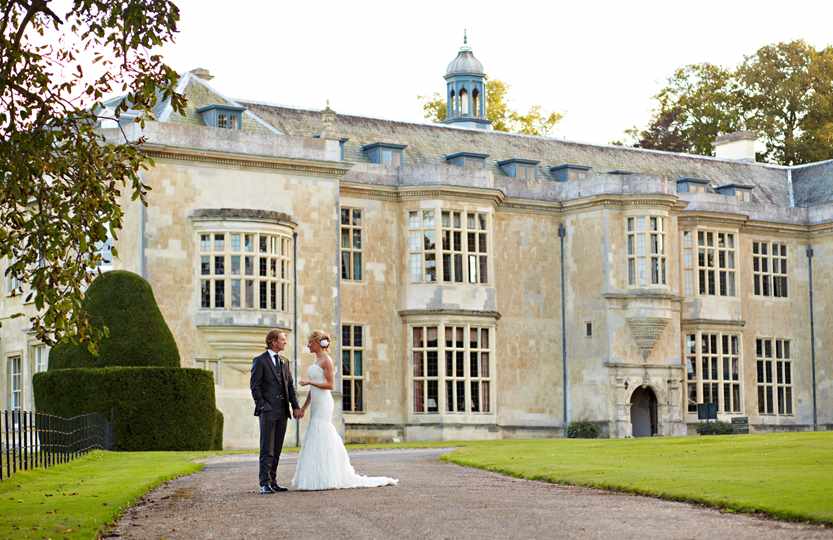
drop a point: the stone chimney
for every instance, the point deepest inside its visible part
(202, 73)
(328, 120)
(738, 146)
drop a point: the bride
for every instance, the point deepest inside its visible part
(323, 462)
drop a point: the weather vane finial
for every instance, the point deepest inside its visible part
(465, 37)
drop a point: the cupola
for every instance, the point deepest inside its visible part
(466, 90)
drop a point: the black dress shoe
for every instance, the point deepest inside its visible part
(276, 488)
(266, 490)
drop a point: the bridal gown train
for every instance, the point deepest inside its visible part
(323, 462)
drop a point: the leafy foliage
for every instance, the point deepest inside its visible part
(534, 122)
(582, 430)
(137, 334)
(153, 408)
(784, 92)
(62, 179)
(715, 428)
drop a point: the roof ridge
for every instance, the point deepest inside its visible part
(525, 136)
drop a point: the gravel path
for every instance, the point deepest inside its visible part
(434, 500)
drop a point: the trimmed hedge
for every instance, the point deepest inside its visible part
(582, 430)
(153, 408)
(218, 430)
(124, 303)
(715, 428)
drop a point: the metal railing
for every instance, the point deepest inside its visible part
(30, 440)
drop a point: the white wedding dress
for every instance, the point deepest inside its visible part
(323, 462)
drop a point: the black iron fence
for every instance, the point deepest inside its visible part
(31, 439)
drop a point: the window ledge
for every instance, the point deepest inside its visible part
(242, 318)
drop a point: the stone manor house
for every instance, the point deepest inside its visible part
(478, 284)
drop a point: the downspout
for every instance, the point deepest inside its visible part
(562, 233)
(812, 337)
(295, 326)
(143, 213)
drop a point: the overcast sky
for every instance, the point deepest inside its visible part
(597, 62)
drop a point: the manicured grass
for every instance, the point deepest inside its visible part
(785, 475)
(75, 500)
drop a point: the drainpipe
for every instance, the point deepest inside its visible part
(812, 338)
(143, 213)
(295, 326)
(562, 233)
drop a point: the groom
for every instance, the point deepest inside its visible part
(273, 391)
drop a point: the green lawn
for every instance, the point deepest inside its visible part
(785, 475)
(77, 499)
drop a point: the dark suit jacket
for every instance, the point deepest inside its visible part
(265, 387)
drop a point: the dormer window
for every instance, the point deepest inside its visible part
(688, 184)
(742, 192)
(523, 169)
(222, 116)
(568, 172)
(467, 159)
(388, 154)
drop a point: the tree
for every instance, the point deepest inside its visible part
(62, 181)
(784, 92)
(698, 103)
(534, 122)
(786, 95)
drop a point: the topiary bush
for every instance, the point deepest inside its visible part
(715, 428)
(123, 302)
(218, 430)
(582, 430)
(136, 379)
(152, 408)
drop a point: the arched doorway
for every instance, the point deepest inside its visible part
(643, 412)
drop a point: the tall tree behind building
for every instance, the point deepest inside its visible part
(534, 122)
(784, 92)
(60, 189)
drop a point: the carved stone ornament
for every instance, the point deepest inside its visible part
(646, 331)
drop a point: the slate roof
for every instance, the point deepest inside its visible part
(813, 183)
(431, 143)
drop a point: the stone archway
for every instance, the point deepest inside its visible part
(644, 412)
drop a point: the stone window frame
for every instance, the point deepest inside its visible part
(353, 250)
(15, 396)
(420, 353)
(767, 281)
(105, 250)
(11, 285)
(40, 357)
(650, 258)
(213, 365)
(428, 252)
(718, 360)
(352, 378)
(276, 227)
(694, 272)
(774, 373)
(422, 245)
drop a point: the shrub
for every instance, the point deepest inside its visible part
(217, 443)
(139, 336)
(715, 428)
(153, 408)
(582, 430)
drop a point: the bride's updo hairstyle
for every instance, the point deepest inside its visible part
(322, 337)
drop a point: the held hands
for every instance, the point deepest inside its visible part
(303, 382)
(298, 413)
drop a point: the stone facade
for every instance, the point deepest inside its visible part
(453, 276)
